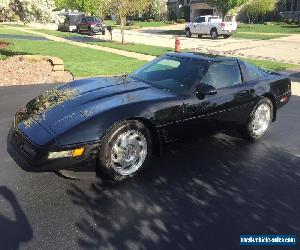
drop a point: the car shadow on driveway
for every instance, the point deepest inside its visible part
(16, 230)
(200, 195)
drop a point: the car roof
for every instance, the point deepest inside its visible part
(201, 56)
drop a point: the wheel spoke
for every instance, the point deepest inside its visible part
(261, 119)
(129, 152)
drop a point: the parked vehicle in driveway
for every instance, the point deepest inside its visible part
(71, 21)
(91, 25)
(116, 123)
(210, 25)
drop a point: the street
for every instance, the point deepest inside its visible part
(201, 194)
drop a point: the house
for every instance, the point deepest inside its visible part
(192, 9)
(291, 10)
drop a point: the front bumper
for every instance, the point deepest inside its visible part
(34, 158)
(95, 30)
(98, 30)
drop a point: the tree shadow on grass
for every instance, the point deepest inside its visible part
(13, 231)
(199, 195)
(9, 53)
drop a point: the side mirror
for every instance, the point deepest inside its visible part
(205, 89)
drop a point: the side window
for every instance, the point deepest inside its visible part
(223, 74)
(251, 72)
(66, 20)
(200, 20)
(164, 64)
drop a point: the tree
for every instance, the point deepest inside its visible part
(92, 7)
(124, 8)
(259, 7)
(156, 10)
(225, 5)
(33, 10)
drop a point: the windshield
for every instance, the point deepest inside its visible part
(172, 74)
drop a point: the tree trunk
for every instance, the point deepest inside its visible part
(249, 19)
(224, 13)
(177, 10)
(123, 20)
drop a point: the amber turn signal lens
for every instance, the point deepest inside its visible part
(77, 152)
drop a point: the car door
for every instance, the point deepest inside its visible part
(84, 25)
(197, 25)
(224, 109)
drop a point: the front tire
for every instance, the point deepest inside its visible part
(260, 120)
(188, 33)
(125, 150)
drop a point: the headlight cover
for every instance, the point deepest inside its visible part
(65, 154)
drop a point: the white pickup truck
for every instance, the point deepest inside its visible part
(210, 25)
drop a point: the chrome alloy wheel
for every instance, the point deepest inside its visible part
(129, 152)
(261, 120)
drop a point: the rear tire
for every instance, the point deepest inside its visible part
(199, 36)
(259, 121)
(188, 33)
(214, 34)
(125, 150)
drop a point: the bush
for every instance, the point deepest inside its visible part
(169, 22)
(172, 16)
(3, 57)
(181, 21)
(130, 23)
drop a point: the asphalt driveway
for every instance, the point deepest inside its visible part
(201, 194)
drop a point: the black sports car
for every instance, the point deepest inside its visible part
(118, 122)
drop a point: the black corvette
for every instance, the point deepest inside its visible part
(118, 122)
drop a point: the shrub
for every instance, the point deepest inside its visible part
(170, 22)
(181, 21)
(130, 23)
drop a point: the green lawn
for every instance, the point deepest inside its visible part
(151, 24)
(80, 61)
(235, 35)
(59, 33)
(138, 48)
(256, 36)
(275, 28)
(10, 31)
(137, 24)
(270, 65)
(88, 62)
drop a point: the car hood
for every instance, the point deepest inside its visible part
(58, 109)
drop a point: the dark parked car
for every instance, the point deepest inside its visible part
(71, 21)
(118, 122)
(91, 25)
